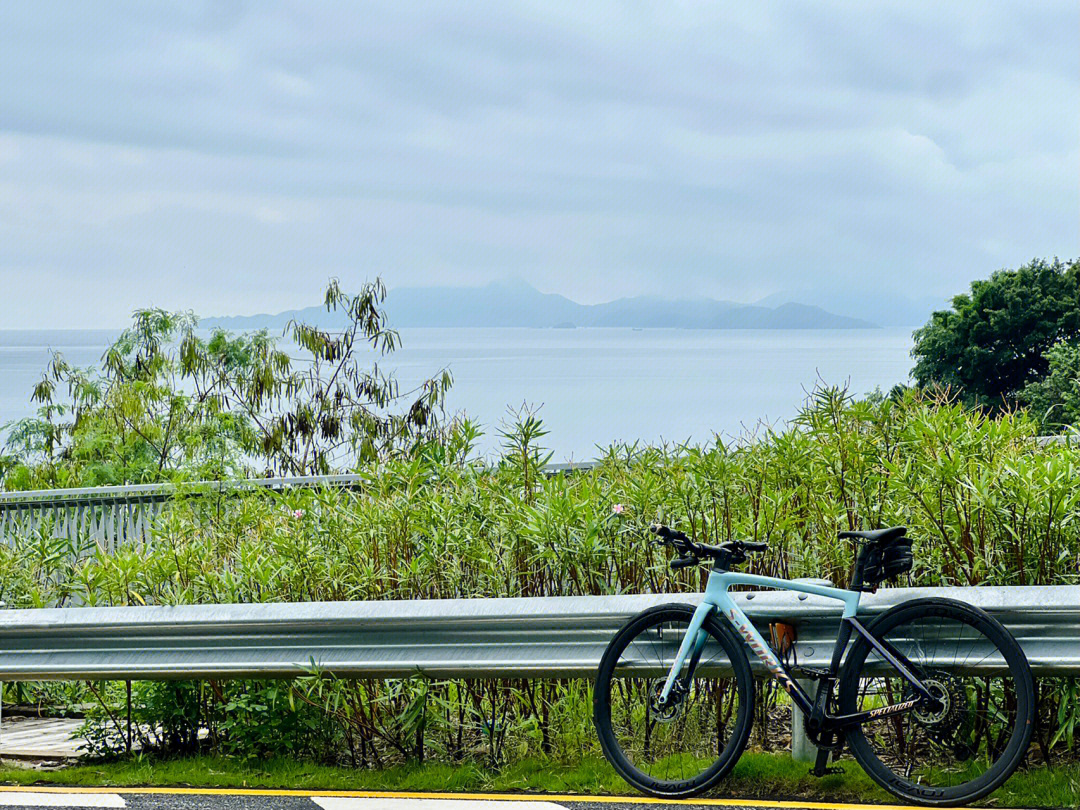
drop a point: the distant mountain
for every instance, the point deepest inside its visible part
(884, 309)
(515, 303)
(503, 303)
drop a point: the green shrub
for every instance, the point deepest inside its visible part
(994, 341)
(985, 502)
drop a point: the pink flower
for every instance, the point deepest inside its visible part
(298, 513)
(617, 509)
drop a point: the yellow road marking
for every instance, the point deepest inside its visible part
(513, 797)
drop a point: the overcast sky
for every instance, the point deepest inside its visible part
(230, 157)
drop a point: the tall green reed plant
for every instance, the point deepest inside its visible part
(985, 502)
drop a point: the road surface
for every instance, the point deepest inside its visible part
(204, 799)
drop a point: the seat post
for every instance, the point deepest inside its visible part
(857, 578)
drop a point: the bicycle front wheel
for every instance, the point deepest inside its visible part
(976, 733)
(683, 747)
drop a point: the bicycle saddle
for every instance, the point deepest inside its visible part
(875, 535)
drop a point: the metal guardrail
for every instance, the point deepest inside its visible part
(147, 493)
(124, 513)
(468, 638)
(1071, 439)
(116, 514)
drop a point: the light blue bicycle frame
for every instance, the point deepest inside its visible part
(717, 598)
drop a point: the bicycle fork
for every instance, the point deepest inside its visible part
(692, 645)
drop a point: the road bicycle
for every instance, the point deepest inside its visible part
(934, 698)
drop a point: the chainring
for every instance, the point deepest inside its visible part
(829, 740)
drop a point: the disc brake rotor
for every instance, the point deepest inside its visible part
(665, 712)
(947, 718)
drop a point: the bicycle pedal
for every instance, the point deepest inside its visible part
(814, 674)
(833, 770)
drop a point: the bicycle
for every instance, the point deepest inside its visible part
(934, 698)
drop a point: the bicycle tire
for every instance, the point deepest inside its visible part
(901, 622)
(740, 733)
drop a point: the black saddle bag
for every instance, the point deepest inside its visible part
(886, 561)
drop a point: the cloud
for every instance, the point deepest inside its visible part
(229, 157)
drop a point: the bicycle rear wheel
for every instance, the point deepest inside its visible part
(685, 747)
(971, 741)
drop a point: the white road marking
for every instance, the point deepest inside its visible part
(21, 799)
(343, 803)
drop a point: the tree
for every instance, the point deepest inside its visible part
(170, 402)
(994, 341)
(1055, 399)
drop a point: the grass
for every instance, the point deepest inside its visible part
(757, 775)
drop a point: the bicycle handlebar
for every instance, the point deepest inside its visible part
(685, 562)
(664, 533)
(692, 553)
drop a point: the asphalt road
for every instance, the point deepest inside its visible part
(284, 800)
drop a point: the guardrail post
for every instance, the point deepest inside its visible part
(802, 750)
(129, 717)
